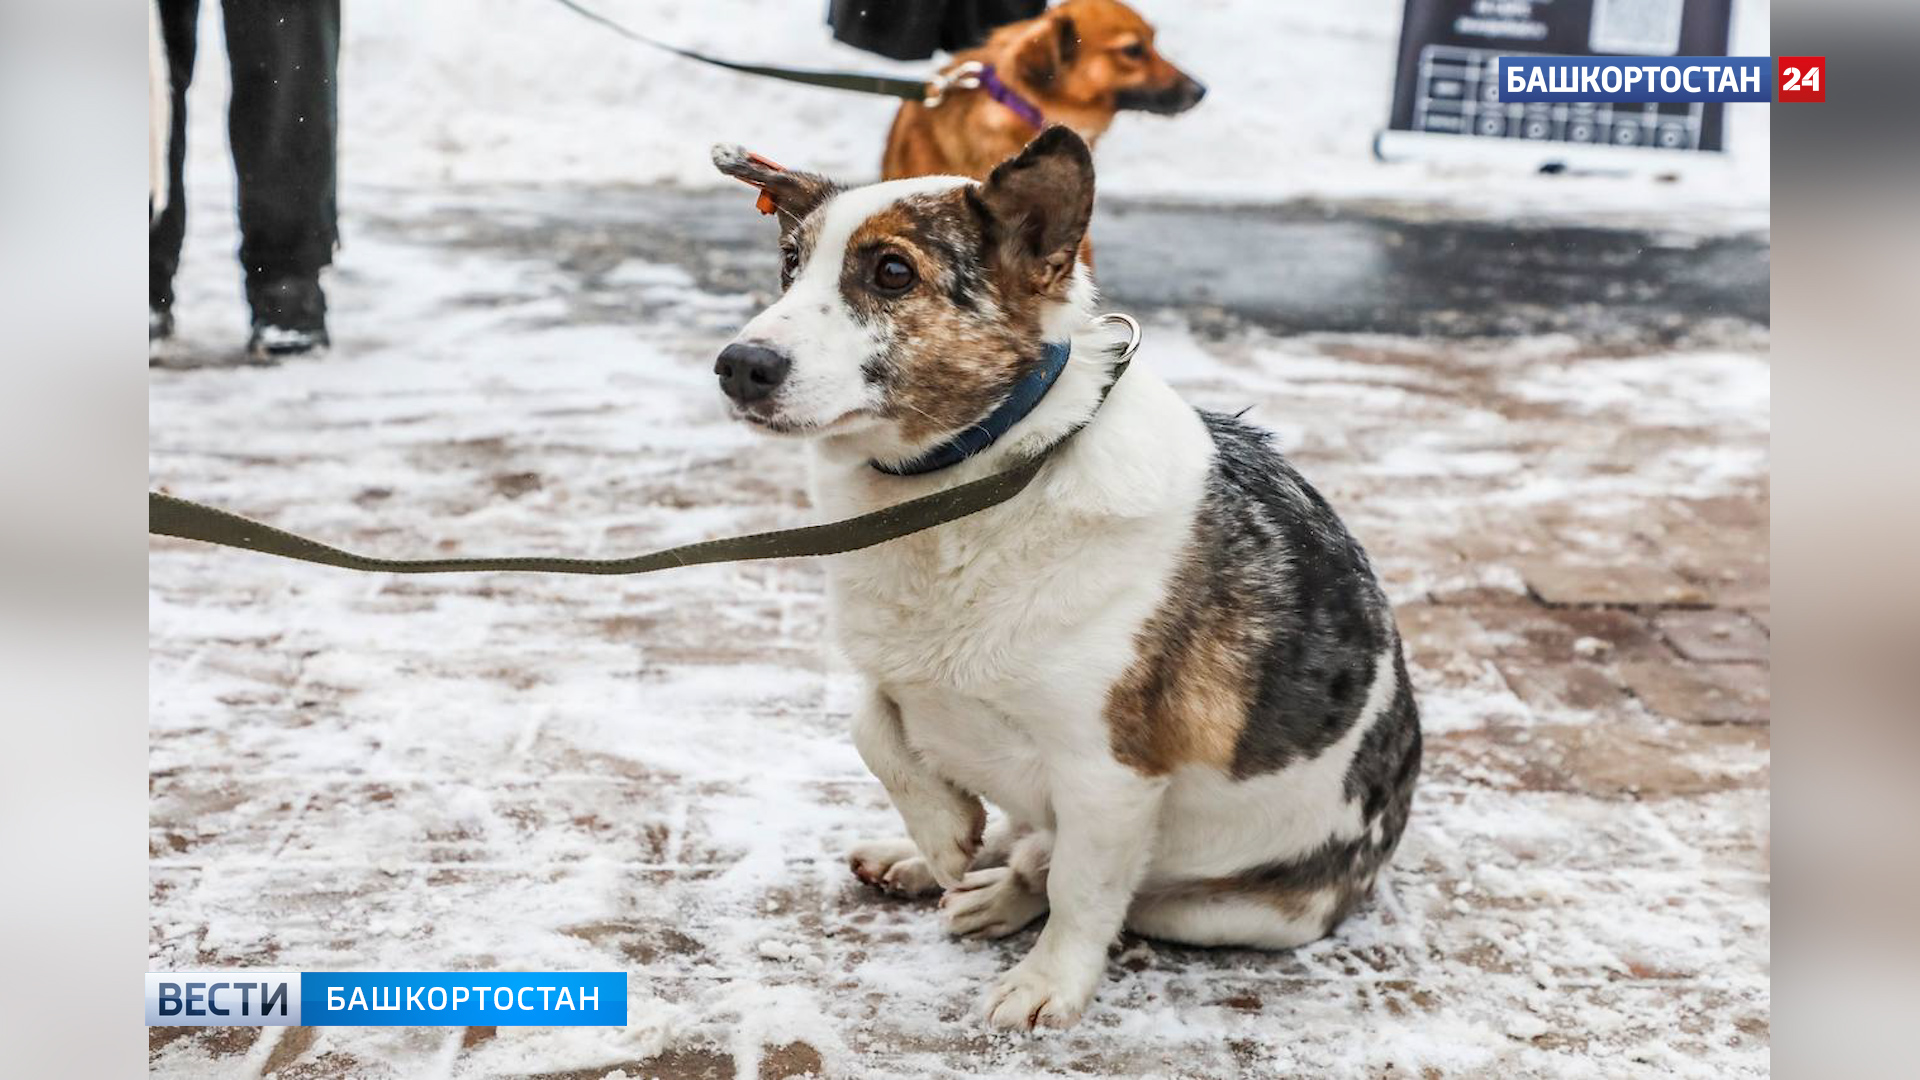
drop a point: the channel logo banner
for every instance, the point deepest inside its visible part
(1624, 79)
(387, 998)
(223, 998)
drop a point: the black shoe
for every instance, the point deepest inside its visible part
(289, 318)
(159, 332)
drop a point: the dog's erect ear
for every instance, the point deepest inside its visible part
(1037, 204)
(792, 193)
(1048, 48)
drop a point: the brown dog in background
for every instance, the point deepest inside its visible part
(1077, 65)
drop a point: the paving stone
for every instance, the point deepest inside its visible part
(1729, 562)
(1487, 586)
(1752, 512)
(1455, 577)
(1437, 636)
(1503, 541)
(1566, 635)
(689, 1064)
(794, 1059)
(291, 1045)
(178, 1045)
(1702, 693)
(1737, 588)
(1633, 584)
(1553, 691)
(1715, 635)
(1612, 760)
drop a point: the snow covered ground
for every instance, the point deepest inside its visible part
(652, 775)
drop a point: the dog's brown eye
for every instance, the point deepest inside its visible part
(789, 265)
(893, 274)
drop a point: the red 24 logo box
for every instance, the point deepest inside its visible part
(1800, 78)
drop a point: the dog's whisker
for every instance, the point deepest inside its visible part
(921, 411)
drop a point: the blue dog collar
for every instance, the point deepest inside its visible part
(1024, 397)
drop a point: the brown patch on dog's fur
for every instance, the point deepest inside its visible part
(1070, 62)
(1298, 904)
(1293, 904)
(1187, 695)
(988, 259)
(945, 365)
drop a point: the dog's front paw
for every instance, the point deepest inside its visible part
(1034, 995)
(948, 834)
(991, 903)
(893, 866)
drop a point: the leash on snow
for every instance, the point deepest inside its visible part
(168, 515)
(885, 85)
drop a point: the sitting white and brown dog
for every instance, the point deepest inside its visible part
(1165, 661)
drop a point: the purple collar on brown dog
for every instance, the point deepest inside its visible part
(1008, 96)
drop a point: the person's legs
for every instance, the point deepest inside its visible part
(284, 55)
(166, 232)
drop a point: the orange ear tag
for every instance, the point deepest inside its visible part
(765, 202)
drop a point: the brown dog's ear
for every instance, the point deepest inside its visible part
(1069, 37)
(1048, 49)
(792, 193)
(1036, 206)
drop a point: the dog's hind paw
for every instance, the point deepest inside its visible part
(893, 866)
(946, 826)
(991, 903)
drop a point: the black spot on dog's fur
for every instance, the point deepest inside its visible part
(1280, 553)
(1341, 685)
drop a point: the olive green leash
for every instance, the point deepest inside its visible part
(171, 516)
(168, 515)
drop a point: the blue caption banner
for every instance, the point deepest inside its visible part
(388, 998)
(511, 998)
(1622, 79)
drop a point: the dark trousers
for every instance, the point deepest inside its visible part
(282, 121)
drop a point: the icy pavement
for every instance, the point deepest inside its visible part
(652, 774)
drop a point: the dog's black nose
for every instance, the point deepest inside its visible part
(749, 372)
(1198, 92)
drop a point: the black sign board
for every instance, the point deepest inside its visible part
(1444, 93)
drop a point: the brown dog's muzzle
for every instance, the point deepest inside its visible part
(1184, 93)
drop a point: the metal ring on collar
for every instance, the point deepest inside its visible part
(1133, 332)
(964, 77)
